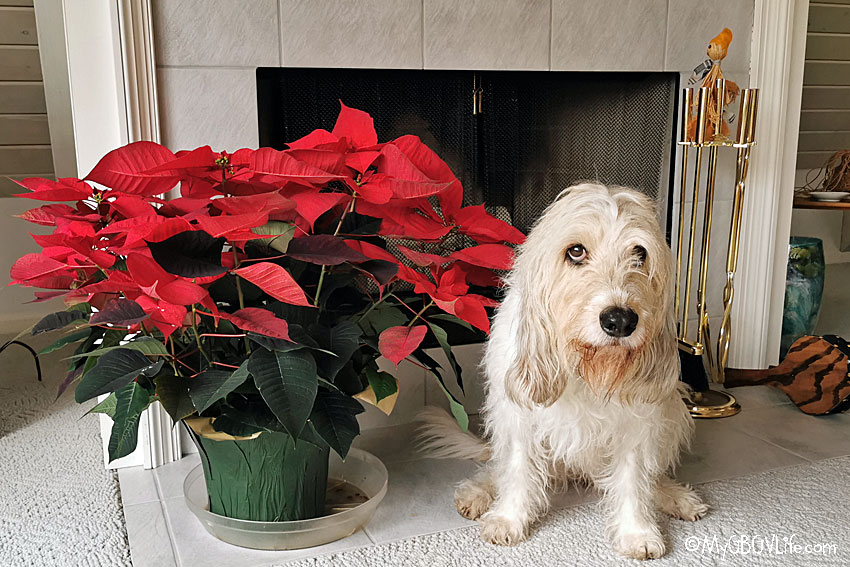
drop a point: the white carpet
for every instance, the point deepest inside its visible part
(808, 504)
(59, 506)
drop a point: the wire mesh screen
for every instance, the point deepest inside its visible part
(537, 132)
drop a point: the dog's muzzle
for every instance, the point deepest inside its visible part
(618, 321)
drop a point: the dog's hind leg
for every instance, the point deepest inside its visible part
(679, 500)
(519, 473)
(474, 495)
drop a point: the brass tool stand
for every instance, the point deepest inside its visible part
(709, 102)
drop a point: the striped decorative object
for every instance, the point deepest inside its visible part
(814, 374)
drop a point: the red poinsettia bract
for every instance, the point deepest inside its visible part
(115, 236)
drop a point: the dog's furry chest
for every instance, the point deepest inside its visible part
(583, 434)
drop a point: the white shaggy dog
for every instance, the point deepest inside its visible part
(581, 377)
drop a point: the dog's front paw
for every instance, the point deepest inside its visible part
(640, 545)
(500, 530)
(472, 500)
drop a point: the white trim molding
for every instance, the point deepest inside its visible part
(776, 68)
(158, 437)
(137, 54)
(113, 99)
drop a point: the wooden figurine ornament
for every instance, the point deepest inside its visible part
(717, 50)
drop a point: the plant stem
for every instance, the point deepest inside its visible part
(402, 303)
(319, 285)
(173, 358)
(239, 294)
(345, 211)
(198, 337)
(418, 315)
(373, 306)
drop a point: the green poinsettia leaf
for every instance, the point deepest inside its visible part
(334, 417)
(240, 423)
(343, 340)
(112, 371)
(145, 345)
(106, 407)
(294, 314)
(281, 233)
(288, 383)
(58, 320)
(383, 384)
(452, 319)
(381, 318)
(212, 385)
(457, 409)
(173, 393)
(130, 402)
(311, 436)
(66, 340)
(443, 339)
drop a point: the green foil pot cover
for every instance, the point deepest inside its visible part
(265, 478)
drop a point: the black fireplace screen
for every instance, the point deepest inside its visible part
(533, 134)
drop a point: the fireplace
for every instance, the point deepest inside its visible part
(515, 139)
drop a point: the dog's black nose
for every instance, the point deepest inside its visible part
(618, 321)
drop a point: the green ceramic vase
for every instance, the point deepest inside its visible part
(803, 289)
(266, 479)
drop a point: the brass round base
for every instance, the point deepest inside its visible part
(712, 404)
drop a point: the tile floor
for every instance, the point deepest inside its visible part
(769, 433)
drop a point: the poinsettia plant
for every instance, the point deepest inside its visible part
(262, 293)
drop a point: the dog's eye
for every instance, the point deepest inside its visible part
(640, 255)
(576, 253)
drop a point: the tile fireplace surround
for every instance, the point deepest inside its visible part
(207, 53)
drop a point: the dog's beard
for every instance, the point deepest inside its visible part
(604, 368)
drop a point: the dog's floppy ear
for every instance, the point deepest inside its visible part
(536, 373)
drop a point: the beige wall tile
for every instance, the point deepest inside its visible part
(216, 107)
(216, 32)
(352, 33)
(486, 34)
(608, 35)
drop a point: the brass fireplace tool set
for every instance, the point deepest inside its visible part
(703, 128)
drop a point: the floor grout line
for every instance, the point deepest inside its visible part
(159, 492)
(369, 534)
(774, 443)
(777, 445)
(171, 539)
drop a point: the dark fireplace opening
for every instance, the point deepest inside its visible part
(531, 134)
(515, 139)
